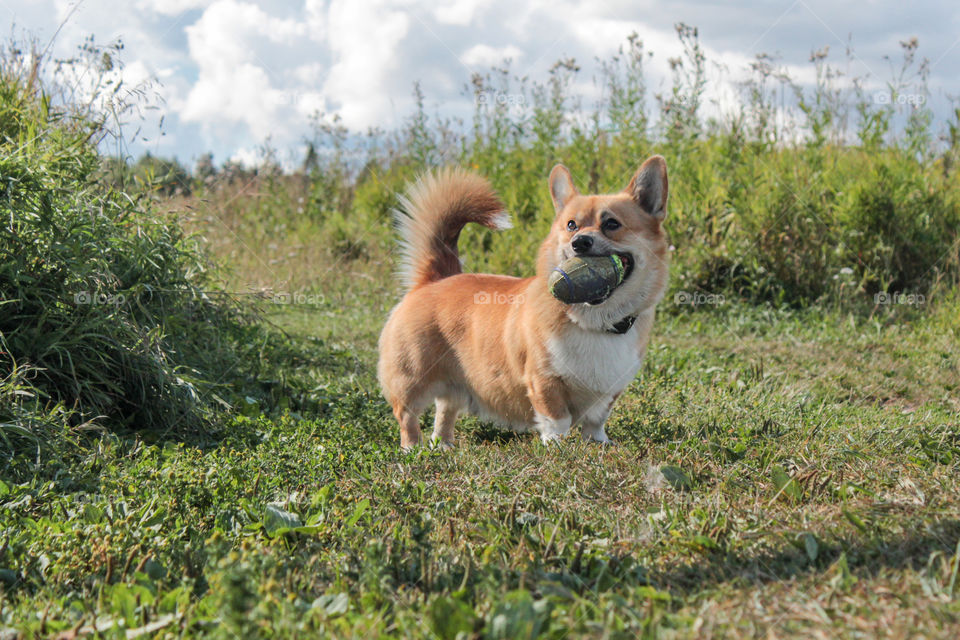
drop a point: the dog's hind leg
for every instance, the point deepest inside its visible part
(409, 425)
(448, 408)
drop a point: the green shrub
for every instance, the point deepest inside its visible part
(787, 214)
(105, 317)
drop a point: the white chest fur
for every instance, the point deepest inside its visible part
(594, 360)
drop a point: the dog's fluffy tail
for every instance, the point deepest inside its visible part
(431, 217)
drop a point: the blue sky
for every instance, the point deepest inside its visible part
(229, 75)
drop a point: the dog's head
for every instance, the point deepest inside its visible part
(628, 223)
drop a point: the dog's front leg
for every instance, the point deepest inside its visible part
(593, 421)
(552, 416)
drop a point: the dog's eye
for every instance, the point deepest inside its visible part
(611, 225)
(571, 226)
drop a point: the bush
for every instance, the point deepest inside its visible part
(777, 230)
(105, 316)
(771, 207)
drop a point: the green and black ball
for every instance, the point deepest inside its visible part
(587, 278)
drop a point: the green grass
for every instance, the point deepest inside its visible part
(777, 472)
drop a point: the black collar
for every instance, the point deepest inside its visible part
(623, 326)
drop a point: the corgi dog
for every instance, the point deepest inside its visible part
(502, 347)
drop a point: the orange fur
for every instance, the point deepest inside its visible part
(503, 347)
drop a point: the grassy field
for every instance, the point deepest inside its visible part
(776, 473)
(193, 443)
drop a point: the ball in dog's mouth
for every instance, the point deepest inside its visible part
(627, 260)
(589, 279)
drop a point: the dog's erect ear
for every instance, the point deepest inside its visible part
(561, 187)
(648, 188)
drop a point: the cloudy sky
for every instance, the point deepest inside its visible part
(234, 73)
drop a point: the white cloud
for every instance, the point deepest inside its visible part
(234, 84)
(236, 72)
(364, 37)
(316, 18)
(171, 7)
(483, 55)
(458, 12)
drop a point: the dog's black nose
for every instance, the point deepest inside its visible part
(581, 243)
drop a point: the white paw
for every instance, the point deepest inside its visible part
(552, 429)
(598, 436)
